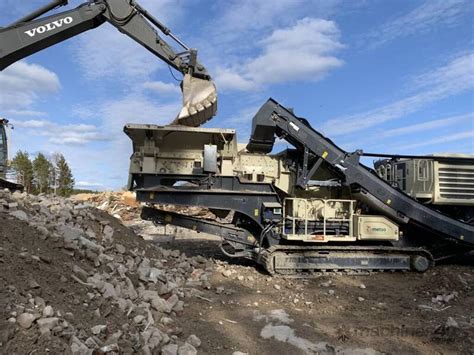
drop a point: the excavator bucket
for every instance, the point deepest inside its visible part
(199, 102)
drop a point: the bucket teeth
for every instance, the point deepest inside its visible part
(199, 102)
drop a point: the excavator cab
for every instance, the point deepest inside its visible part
(3, 147)
(7, 179)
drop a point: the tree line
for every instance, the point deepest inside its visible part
(43, 175)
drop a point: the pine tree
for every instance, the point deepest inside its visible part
(41, 171)
(65, 180)
(22, 165)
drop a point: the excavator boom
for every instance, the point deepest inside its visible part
(32, 34)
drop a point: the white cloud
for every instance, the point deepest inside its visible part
(105, 53)
(23, 113)
(455, 137)
(424, 18)
(243, 15)
(244, 116)
(304, 52)
(85, 110)
(22, 84)
(229, 78)
(161, 87)
(238, 18)
(136, 109)
(465, 120)
(456, 75)
(114, 56)
(88, 184)
(77, 138)
(59, 134)
(31, 124)
(452, 79)
(427, 126)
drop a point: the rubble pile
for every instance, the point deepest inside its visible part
(77, 281)
(123, 206)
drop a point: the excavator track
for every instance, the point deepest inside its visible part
(5, 184)
(305, 261)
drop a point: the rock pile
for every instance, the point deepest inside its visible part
(123, 205)
(127, 292)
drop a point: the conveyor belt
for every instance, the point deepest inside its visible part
(273, 120)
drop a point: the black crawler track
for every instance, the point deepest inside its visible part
(305, 261)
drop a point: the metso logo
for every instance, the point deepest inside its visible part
(49, 26)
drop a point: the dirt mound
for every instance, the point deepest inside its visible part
(75, 280)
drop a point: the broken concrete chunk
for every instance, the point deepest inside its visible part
(80, 272)
(187, 349)
(91, 343)
(160, 305)
(120, 248)
(12, 205)
(170, 349)
(179, 307)
(108, 234)
(194, 341)
(22, 216)
(451, 323)
(138, 319)
(111, 348)
(78, 348)
(25, 320)
(148, 295)
(172, 301)
(48, 311)
(108, 291)
(33, 284)
(47, 324)
(96, 330)
(39, 302)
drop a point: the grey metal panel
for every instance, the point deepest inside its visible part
(210, 158)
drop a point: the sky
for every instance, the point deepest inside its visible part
(385, 76)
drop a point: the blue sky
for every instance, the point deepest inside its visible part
(391, 76)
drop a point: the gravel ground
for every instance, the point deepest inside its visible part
(75, 280)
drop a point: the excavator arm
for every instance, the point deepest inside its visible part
(32, 34)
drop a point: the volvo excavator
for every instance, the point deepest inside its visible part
(33, 33)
